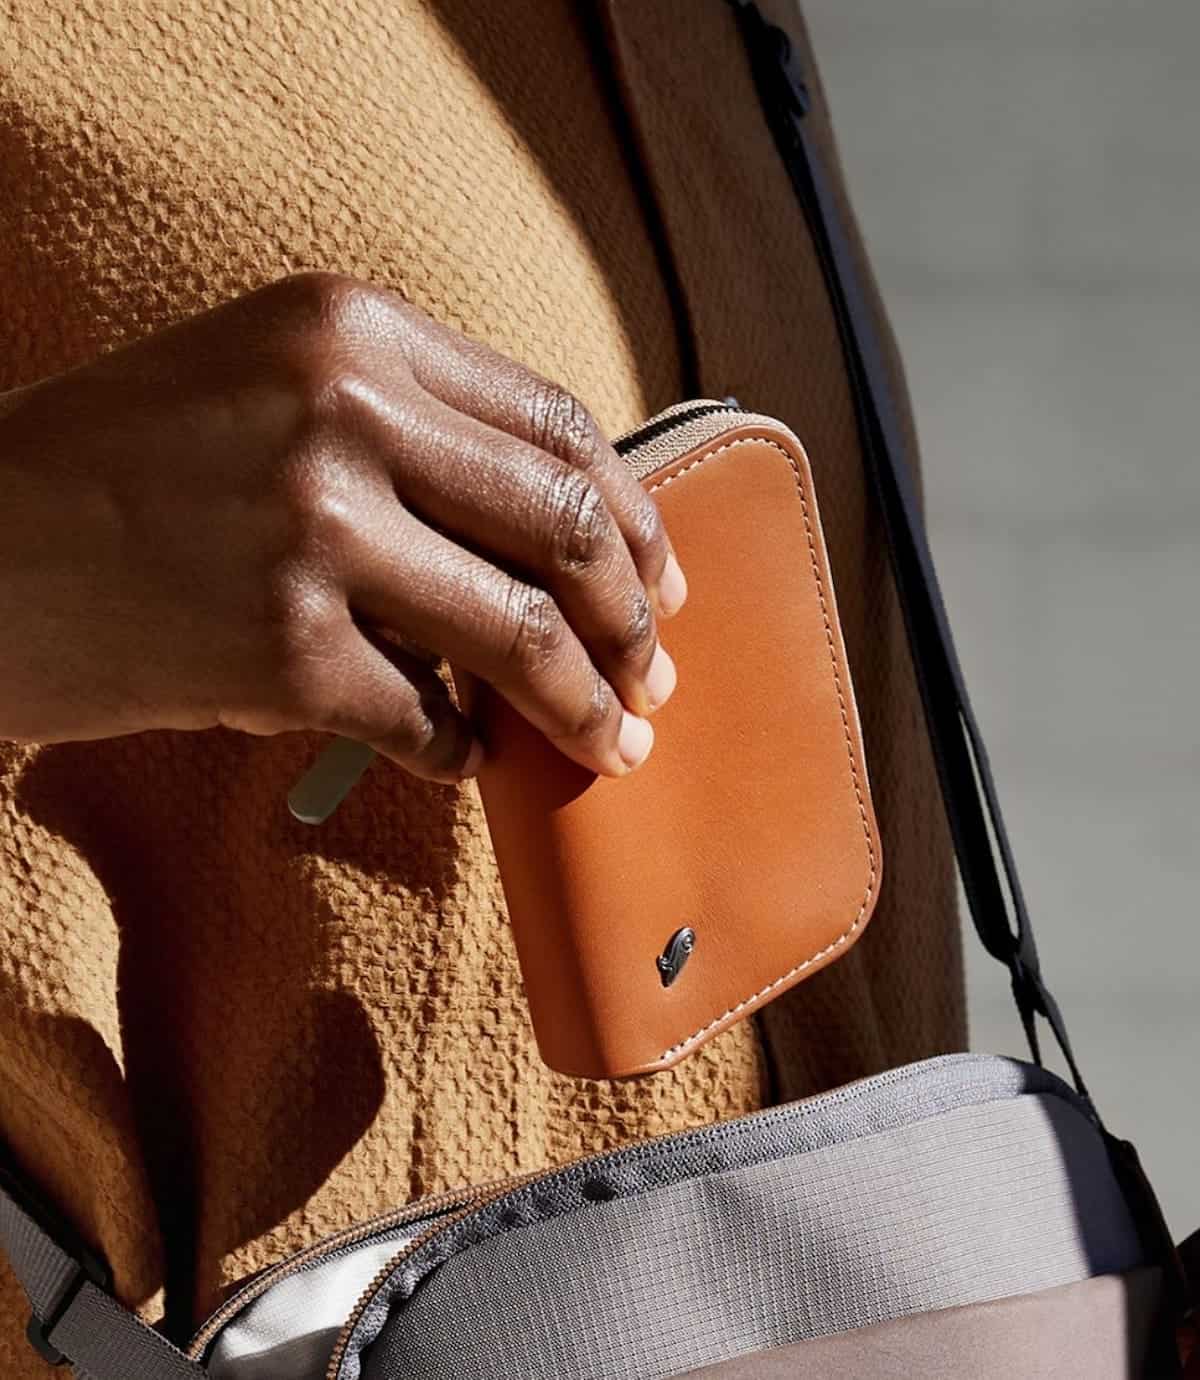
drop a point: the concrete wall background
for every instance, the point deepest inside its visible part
(1028, 178)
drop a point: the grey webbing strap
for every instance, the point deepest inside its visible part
(74, 1318)
(107, 1342)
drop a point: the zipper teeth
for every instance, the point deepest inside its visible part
(330, 1246)
(472, 1206)
(704, 1134)
(480, 1198)
(339, 1350)
(666, 421)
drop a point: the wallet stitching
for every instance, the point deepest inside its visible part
(844, 938)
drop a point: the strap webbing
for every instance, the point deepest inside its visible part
(74, 1317)
(981, 843)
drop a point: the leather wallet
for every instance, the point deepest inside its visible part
(653, 911)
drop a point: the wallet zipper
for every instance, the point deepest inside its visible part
(682, 428)
(662, 423)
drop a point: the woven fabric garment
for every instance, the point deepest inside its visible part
(224, 1035)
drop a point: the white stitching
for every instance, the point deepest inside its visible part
(848, 934)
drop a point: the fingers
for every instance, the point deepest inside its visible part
(509, 633)
(541, 518)
(478, 382)
(398, 705)
(521, 549)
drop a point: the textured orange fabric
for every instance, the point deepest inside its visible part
(222, 1034)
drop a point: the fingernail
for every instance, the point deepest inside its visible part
(474, 761)
(635, 740)
(672, 588)
(660, 678)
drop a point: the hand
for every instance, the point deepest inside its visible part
(281, 514)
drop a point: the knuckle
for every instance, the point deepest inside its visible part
(326, 394)
(579, 521)
(560, 424)
(429, 735)
(597, 718)
(648, 531)
(321, 301)
(537, 629)
(638, 635)
(321, 322)
(319, 511)
(328, 527)
(317, 390)
(299, 643)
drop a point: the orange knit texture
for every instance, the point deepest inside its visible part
(223, 1034)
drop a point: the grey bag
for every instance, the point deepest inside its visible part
(968, 1215)
(965, 1215)
(950, 1183)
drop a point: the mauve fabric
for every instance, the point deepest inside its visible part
(223, 1034)
(1104, 1328)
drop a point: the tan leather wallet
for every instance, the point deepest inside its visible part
(652, 912)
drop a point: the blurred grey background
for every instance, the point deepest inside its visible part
(1027, 175)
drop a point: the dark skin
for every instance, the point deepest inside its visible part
(283, 513)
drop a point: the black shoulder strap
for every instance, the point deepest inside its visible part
(980, 840)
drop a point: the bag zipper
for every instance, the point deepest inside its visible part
(465, 1210)
(435, 1205)
(584, 1169)
(498, 1189)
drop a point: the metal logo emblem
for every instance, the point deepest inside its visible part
(679, 948)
